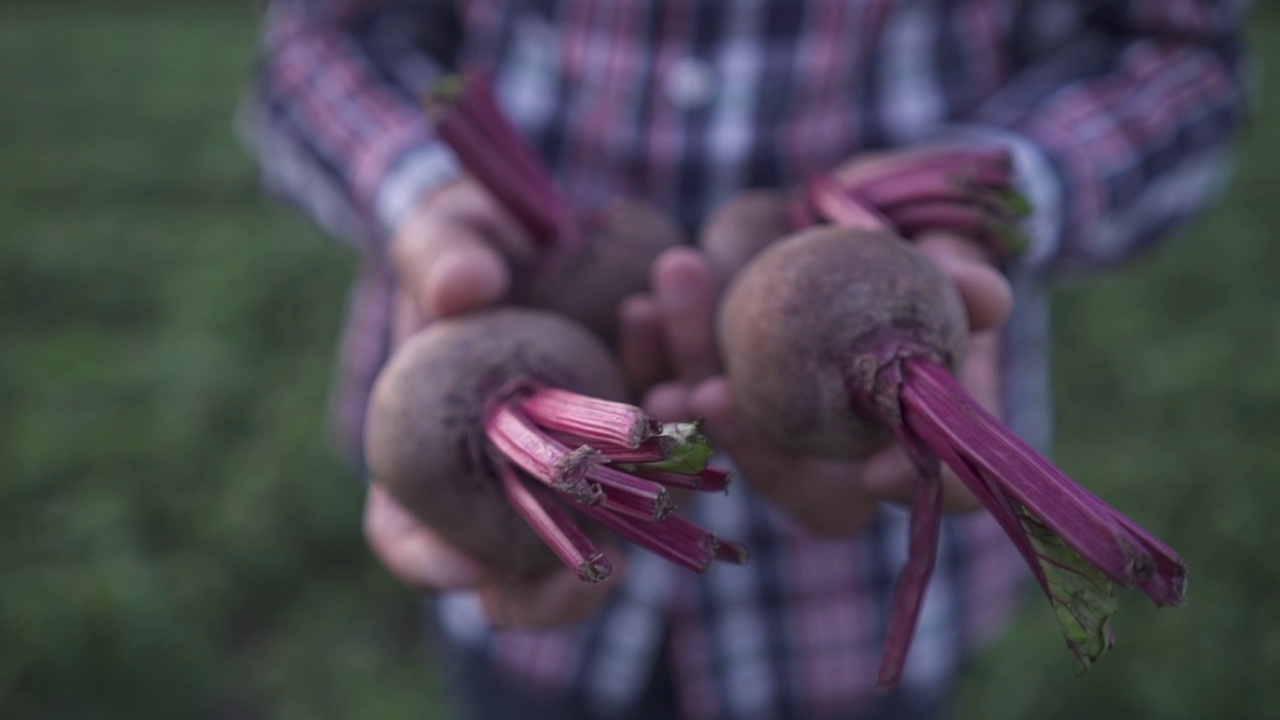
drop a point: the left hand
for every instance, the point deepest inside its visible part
(668, 347)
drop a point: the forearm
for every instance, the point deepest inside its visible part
(333, 117)
(1123, 133)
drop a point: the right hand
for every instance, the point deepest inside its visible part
(669, 349)
(450, 255)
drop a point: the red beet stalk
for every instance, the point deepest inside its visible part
(493, 151)
(1075, 544)
(550, 521)
(967, 192)
(556, 449)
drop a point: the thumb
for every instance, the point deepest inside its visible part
(713, 401)
(448, 267)
(987, 295)
(413, 553)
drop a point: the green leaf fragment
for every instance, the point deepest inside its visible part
(1015, 203)
(691, 452)
(1082, 597)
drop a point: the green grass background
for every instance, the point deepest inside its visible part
(177, 540)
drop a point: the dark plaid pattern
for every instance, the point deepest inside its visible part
(1119, 115)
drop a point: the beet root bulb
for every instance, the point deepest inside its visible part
(424, 437)
(792, 322)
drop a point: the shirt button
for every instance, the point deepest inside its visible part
(690, 83)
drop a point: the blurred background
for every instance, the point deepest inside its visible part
(177, 540)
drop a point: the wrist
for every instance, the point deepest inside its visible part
(411, 183)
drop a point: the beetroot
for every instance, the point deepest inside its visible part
(965, 191)
(799, 362)
(502, 428)
(744, 226)
(837, 340)
(586, 260)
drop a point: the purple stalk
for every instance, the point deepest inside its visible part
(843, 208)
(941, 215)
(995, 165)
(536, 432)
(592, 419)
(545, 459)
(926, 182)
(556, 528)
(712, 479)
(630, 495)
(650, 451)
(1074, 543)
(913, 581)
(480, 103)
(731, 552)
(668, 538)
(495, 153)
(1125, 553)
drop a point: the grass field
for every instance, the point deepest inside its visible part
(177, 541)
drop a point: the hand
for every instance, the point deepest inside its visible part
(451, 255)
(670, 334)
(424, 562)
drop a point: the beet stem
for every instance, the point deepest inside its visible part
(732, 552)
(495, 153)
(637, 497)
(951, 182)
(1072, 541)
(843, 208)
(994, 164)
(1084, 521)
(712, 479)
(913, 580)
(556, 528)
(592, 419)
(480, 104)
(547, 460)
(668, 538)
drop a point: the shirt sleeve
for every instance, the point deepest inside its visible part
(333, 116)
(1121, 123)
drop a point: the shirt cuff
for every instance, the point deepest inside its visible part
(415, 175)
(1035, 176)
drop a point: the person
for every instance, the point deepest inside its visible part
(1119, 115)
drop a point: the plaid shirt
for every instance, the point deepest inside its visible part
(1119, 114)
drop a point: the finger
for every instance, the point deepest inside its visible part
(411, 551)
(986, 292)
(685, 288)
(559, 599)
(473, 204)
(668, 402)
(641, 347)
(823, 496)
(981, 372)
(987, 295)
(408, 319)
(449, 267)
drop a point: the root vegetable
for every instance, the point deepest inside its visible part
(587, 260)
(839, 340)
(744, 226)
(966, 191)
(502, 429)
